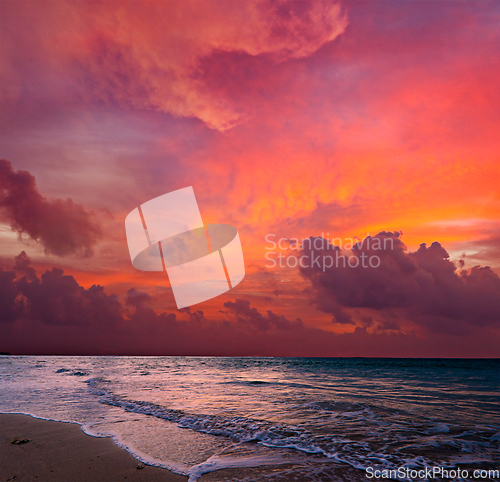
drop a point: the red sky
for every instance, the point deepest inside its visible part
(290, 118)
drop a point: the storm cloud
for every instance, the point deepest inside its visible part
(53, 298)
(62, 227)
(424, 286)
(52, 314)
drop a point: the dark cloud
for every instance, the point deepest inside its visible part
(23, 265)
(389, 325)
(424, 286)
(253, 318)
(137, 298)
(54, 298)
(53, 314)
(9, 309)
(61, 226)
(194, 316)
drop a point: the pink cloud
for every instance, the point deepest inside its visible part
(148, 55)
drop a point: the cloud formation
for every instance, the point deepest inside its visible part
(253, 318)
(62, 227)
(341, 136)
(53, 314)
(54, 298)
(424, 286)
(149, 55)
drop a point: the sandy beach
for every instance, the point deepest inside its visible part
(33, 449)
(39, 450)
(42, 450)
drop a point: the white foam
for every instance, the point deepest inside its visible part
(344, 426)
(217, 462)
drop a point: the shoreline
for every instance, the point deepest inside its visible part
(45, 450)
(36, 449)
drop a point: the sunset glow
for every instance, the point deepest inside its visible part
(295, 119)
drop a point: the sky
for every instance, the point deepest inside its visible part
(374, 122)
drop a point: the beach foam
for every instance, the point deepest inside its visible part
(196, 414)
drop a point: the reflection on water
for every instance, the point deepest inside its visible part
(179, 412)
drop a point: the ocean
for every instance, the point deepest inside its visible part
(278, 418)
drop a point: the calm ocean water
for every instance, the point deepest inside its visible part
(305, 415)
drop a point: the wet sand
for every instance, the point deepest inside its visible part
(40, 450)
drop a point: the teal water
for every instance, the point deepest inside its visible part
(195, 414)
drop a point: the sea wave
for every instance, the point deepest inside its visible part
(361, 440)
